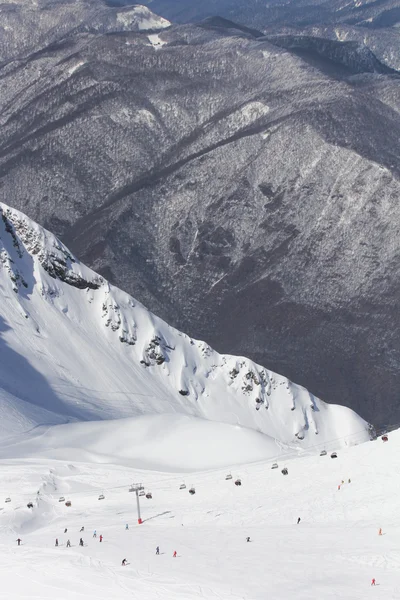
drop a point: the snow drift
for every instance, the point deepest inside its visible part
(152, 442)
(75, 348)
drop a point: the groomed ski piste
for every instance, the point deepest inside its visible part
(334, 552)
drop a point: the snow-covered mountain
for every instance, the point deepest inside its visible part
(74, 347)
(220, 179)
(363, 13)
(27, 26)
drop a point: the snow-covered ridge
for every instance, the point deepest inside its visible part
(77, 347)
(140, 18)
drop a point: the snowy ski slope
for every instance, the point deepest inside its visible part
(75, 348)
(333, 553)
(97, 393)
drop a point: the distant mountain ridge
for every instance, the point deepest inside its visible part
(278, 13)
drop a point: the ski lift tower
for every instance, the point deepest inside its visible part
(137, 487)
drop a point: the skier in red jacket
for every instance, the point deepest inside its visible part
(101, 538)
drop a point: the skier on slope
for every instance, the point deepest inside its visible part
(101, 538)
(19, 541)
(65, 530)
(56, 542)
(174, 554)
(94, 533)
(127, 526)
(81, 529)
(373, 582)
(124, 562)
(68, 544)
(158, 550)
(81, 542)
(248, 539)
(298, 520)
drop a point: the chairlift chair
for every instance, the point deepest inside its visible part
(274, 466)
(192, 491)
(334, 455)
(149, 496)
(182, 486)
(229, 476)
(61, 499)
(323, 453)
(101, 497)
(132, 489)
(68, 503)
(285, 471)
(30, 505)
(238, 482)
(141, 493)
(8, 499)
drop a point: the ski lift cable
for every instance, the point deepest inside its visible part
(305, 452)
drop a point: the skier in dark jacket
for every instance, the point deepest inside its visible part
(158, 550)
(81, 542)
(68, 544)
(56, 542)
(298, 520)
(19, 541)
(124, 562)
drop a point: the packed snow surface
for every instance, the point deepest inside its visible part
(75, 348)
(334, 552)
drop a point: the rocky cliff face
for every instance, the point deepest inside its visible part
(246, 192)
